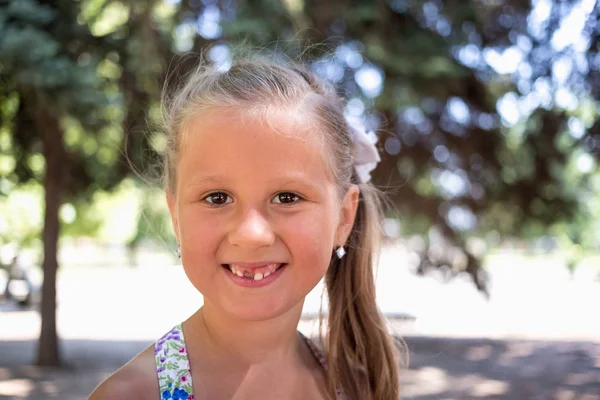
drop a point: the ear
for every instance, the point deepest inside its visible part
(347, 216)
(171, 202)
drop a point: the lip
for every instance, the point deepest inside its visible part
(251, 283)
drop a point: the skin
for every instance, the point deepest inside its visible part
(246, 191)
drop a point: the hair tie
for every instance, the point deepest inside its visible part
(365, 153)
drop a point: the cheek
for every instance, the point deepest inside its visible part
(311, 241)
(199, 243)
(199, 235)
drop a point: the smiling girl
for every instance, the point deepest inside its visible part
(267, 187)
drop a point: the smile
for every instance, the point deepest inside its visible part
(254, 275)
(255, 272)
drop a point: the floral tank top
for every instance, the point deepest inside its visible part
(173, 365)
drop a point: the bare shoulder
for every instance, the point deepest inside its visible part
(136, 380)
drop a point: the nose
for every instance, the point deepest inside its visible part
(251, 231)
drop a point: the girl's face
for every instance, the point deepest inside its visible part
(250, 198)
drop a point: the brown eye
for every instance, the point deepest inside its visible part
(218, 198)
(286, 198)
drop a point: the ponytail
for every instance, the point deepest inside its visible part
(362, 358)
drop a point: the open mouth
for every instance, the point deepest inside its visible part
(256, 274)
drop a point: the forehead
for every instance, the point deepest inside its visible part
(233, 143)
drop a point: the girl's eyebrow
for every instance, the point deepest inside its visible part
(201, 179)
(296, 181)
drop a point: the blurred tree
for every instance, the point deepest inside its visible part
(73, 80)
(40, 87)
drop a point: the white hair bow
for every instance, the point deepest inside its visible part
(366, 155)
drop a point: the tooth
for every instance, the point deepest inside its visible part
(267, 274)
(258, 276)
(239, 273)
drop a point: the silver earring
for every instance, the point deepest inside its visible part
(178, 251)
(341, 252)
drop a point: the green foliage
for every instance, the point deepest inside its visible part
(21, 217)
(93, 67)
(48, 67)
(58, 73)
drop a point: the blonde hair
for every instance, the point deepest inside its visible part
(362, 361)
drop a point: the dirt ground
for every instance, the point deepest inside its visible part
(440, 369)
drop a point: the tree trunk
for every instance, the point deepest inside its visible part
(55, 155)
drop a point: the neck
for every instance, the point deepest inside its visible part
(248, 342)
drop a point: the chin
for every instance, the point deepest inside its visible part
(254, 312)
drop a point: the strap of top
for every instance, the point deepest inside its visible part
(316, 352)
(173, 366)
(321, 358)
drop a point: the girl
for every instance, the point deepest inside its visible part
(267, 189)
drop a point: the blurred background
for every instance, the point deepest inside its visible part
(488, 121)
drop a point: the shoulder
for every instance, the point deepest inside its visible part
(136, 380)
